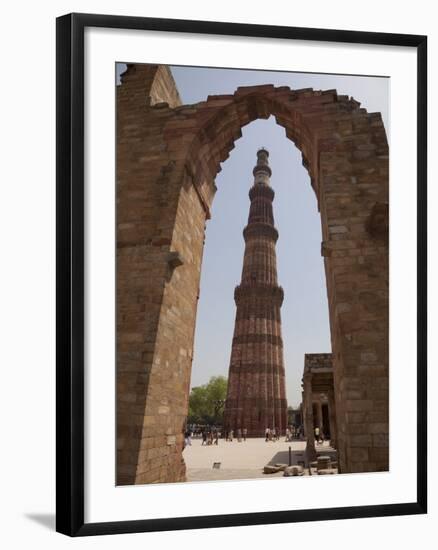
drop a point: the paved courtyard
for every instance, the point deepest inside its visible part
(244, 460)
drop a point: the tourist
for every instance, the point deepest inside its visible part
(267, 434)
(287, 435)
(204, 437)
(231, 435)
(239, 435)
(245, 432)
(188, 438)
(317, 434)
(216, 438)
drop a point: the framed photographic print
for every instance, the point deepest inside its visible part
(241, 274)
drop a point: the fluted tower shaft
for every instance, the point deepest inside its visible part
(256, 396)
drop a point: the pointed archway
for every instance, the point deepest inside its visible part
(168, 157)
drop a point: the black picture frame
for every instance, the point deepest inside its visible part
(70, 273)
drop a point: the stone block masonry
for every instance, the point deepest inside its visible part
(256, 397)
(168, 156)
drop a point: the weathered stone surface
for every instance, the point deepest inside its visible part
(270, 469)
(167, 161)
(281, 466)
(323, 462)
(318, 398)
(292, 471)
(256, 395)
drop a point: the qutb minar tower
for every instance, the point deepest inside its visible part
(256, 397)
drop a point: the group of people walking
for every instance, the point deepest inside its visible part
(210, 435)
(240, 434)
(294, 432)
(271, 434)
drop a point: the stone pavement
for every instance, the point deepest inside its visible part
(243, 460)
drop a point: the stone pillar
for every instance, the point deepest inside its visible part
(159, 252)
(356, 263)
(308, 418)
(319, 416)
(332, 418)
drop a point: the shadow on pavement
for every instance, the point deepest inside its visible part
(299, 458)
(282, 457)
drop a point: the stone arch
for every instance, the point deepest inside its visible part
(168, 158)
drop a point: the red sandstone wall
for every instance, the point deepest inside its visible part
(167, 161)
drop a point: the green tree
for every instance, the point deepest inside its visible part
(206, 403)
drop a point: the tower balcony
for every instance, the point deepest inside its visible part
(260, 230)
(259, 291)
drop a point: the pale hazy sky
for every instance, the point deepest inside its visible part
(300, 265)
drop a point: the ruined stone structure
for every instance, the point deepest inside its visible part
(168, 156)
(318, 400)
(256, 396)
(295, 416)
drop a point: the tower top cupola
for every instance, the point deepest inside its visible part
(262, 168)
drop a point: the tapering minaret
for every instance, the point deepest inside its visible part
(256, 397)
